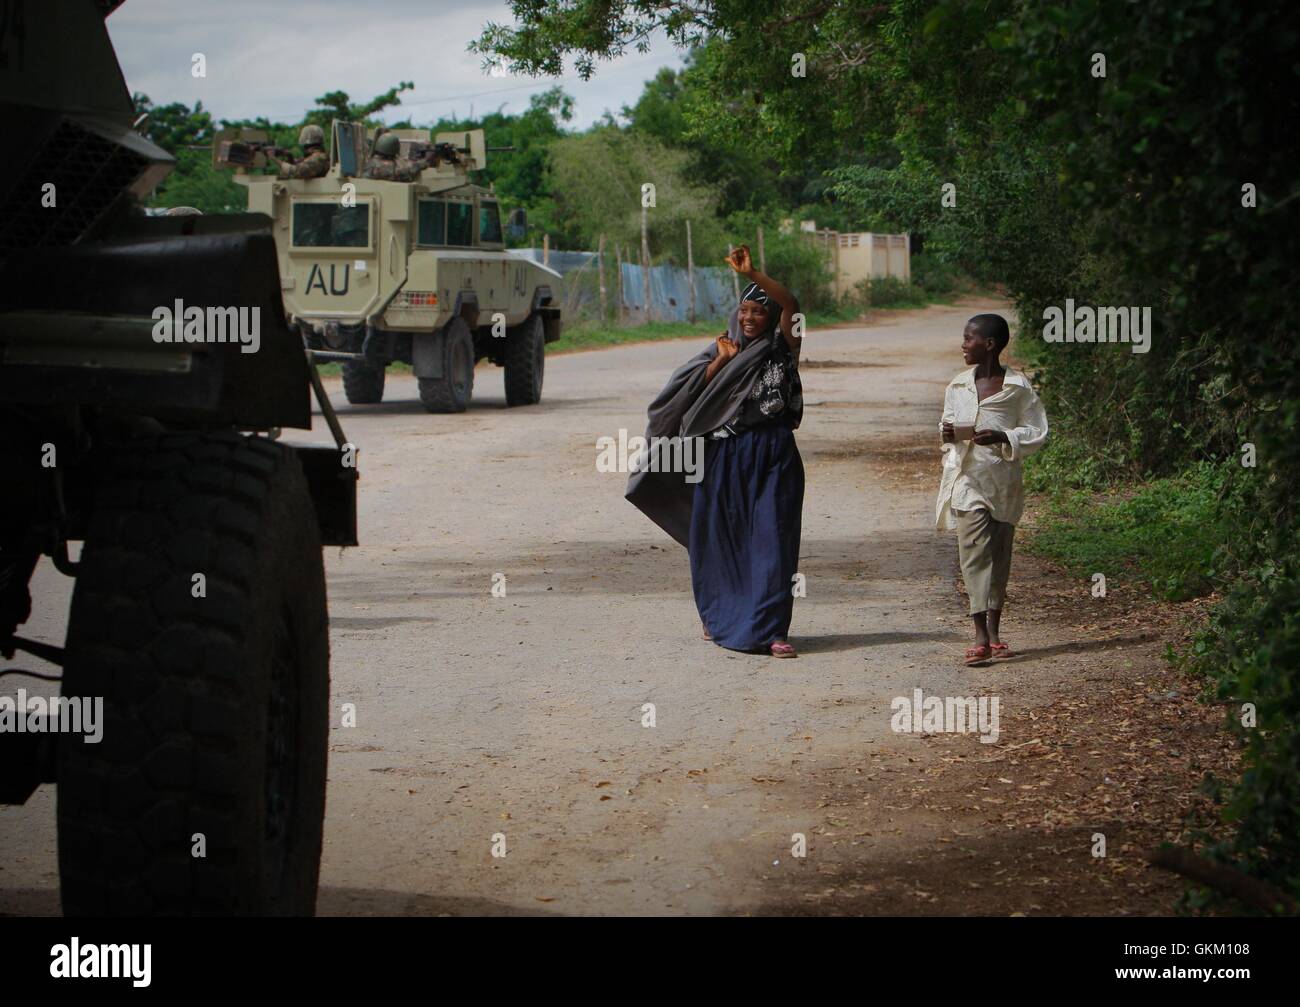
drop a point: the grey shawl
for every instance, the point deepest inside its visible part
(690, 407)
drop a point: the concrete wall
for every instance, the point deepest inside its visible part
(861, 255)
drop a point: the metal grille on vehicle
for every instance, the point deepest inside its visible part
(88, 173)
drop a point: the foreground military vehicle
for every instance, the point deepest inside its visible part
(376, 271)
(198, 617)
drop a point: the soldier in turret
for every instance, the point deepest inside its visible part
(315, 162)
(385, 164)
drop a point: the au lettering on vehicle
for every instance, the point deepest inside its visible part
(317, 279)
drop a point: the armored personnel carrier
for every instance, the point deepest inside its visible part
(375, 271)
(146, 369)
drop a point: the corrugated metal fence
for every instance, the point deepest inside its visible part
(670, 290)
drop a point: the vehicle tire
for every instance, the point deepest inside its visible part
(452, 392)
(525, 362)
(215, 708)
(362, 383)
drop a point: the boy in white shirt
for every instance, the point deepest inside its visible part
(991, 420)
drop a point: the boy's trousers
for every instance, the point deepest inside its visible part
(984, 548)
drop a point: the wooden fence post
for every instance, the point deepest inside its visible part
(622, 311)
(645, 263)
(600, 257)
(690, 272)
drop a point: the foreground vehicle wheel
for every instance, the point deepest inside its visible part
(451, 392)
(363, 384)
(206, 794)
(525, 363)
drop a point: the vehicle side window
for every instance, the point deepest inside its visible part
(329, 225)
(460, 221)
(489, 222)
(433, 222)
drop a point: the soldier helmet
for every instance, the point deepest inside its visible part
(311, 136)
(388, 145)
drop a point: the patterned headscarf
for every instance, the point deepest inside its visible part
(757, 294)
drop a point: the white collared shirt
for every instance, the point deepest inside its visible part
(989, 476)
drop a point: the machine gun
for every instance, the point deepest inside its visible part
(470, 156)
(243, 153)
(243, 148)
(434, 153)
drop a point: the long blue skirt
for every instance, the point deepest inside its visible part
(744, 540)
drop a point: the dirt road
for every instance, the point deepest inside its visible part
(522, 716)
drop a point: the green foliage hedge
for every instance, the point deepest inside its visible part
(1128, 190)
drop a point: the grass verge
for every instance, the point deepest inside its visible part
(1165, 535)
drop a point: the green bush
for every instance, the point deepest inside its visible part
(887, 292)
(1249, 654)
(933, 280)
(1066, 462)
(1166, 536)
(937, 279)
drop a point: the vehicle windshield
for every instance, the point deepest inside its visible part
(432, 228)
(489, 223)
(460, 222)
(329, 225)
(445, 222)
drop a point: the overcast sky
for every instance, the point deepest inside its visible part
(275, 58)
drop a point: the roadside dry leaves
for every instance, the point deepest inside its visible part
(1117, 747)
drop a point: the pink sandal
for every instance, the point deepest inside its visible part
(782, 649)
(978, 655)
(1001, 651)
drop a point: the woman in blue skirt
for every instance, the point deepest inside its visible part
(748, 504)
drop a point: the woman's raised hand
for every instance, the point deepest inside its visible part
(726, 350)
(739, 260)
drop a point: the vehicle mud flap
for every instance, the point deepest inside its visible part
(333, 490)
(428, 354)
(443, 363)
